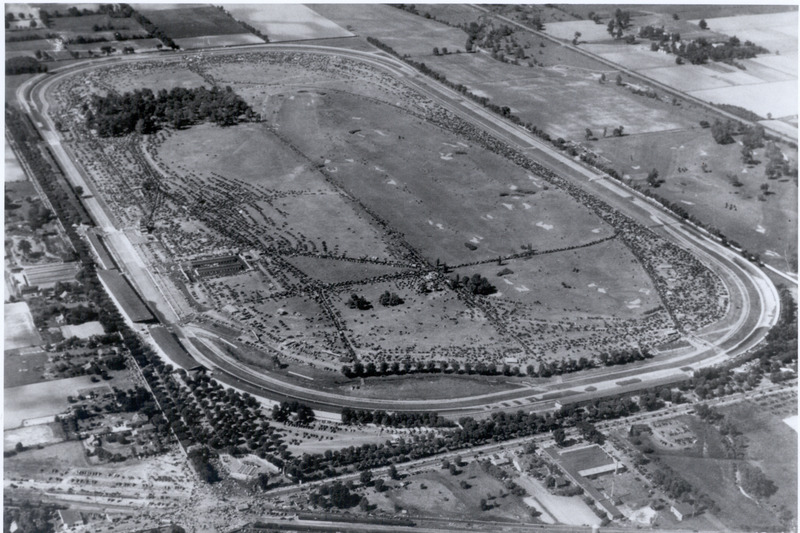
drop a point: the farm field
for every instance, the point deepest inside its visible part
(84, 25)
(777, 32)
(20, 332)
(403, 31)
(782, 101)
(563, 101)
(191, 21)
(40, 400)
(286, 22)
(211, 41)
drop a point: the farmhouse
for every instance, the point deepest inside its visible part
(682, 510)
(70, 518)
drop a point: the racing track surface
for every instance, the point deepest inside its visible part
(749, 322)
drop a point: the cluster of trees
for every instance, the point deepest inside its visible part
(700, 51)
(144, 112)
(358, 302)
(72, 315)
(398, 420)
(777, 165)
(336, 494)
(476, 284)
(754, 482)
(23, 65)
(200, 459)
(388, 299)
(658, 34)
(589, 432)
(723, 132)
(303, 413)
(12, 38)
(618, 23)
(151, 28)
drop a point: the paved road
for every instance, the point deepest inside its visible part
(750, 322)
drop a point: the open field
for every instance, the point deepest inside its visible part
(191, 21)
(41, 434)
(286, 22)
(437, 325)
(84, 25)
(415, 197)
(20, 331)
(564, 101)
(211, 41)
(577, 281)
(770, 445)
(777, 32)
(40, 400)
(764, 224)
(23, 367)
(403, 31)
(782, 101)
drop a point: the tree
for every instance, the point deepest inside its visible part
(435, 51)
(560, 436)
(602, 78)
(364, 504)
(703, 24)
(589, 135)
(24, 246)
(379, 485)
(358, 302)
(393, 472)
(484, 506)
(723, 131)
(619, 79)
(365, 477)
